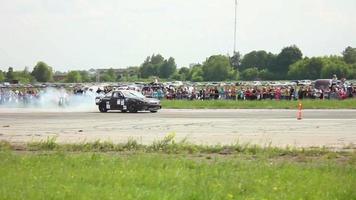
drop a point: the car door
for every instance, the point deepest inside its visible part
(121, 102)
(115, 101)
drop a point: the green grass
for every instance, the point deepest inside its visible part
(168, 169)
(62, 175)
(264, 104)
(168, 145)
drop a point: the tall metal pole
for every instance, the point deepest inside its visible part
(235, 26)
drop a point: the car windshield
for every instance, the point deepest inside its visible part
(109, 94)
(132, 94)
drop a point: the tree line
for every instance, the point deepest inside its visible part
(255, 65)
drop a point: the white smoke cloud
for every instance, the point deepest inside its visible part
(49, 99)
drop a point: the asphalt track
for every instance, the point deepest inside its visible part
(331, 128)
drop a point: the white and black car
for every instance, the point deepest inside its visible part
(127, 101)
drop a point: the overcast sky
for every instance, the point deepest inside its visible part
(84, 34)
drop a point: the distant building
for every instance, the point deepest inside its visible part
(129, 71)
(59, 76)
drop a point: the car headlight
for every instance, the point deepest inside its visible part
(154, 102)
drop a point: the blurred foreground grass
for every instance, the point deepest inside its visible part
(263, 104)
(173, 170)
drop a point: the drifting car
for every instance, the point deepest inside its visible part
(127, 100)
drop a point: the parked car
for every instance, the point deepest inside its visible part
(323, 84)
(305, 82)
(127, 100)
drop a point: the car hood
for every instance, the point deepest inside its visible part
(148, 100)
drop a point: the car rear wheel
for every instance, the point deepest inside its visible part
(102, 108)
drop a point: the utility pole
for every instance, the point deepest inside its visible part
(97, 74)
(235, 26)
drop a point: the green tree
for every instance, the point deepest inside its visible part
(109, 76)
(146, 69)
(167, 68)
(265, 74)
(23, 76)
(288, 56)
(184, 73)
(42, 72)
(74, 77)
(176, 76)
(258, 59)
(195, 69)
(196, 73)
(216, 68)
(2, 76)
(157, 59)
(151, 66)
(349, 55)
(235, 61)
(336, 65)
(234, 75)
(196, 77)
(156, 65)
(250, 74)
(85, 77)
(10, 74)
(306, 69)
(353, 74)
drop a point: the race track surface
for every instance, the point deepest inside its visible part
(331, 128)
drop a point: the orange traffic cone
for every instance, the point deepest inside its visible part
(299, 114)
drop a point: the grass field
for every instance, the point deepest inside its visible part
(155, 176)
(169, 170)
(265, 104)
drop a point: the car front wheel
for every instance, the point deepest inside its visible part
(132, 109)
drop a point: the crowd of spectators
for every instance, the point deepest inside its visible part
(251, 93)
(28, 95)
(18, 95)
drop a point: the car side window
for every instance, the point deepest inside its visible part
(121, 96)
(115, 95)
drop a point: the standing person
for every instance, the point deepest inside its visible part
(233, 93)
(226, 92)
(222, 93)
(203, 94)
(301, 93)
(291, 93)
(321, 94)
(278, 93)
(240, 94)
(271, 93)
(264, 93)
(216, 93)
(334, 79)
(349, 91)
(247, 94)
